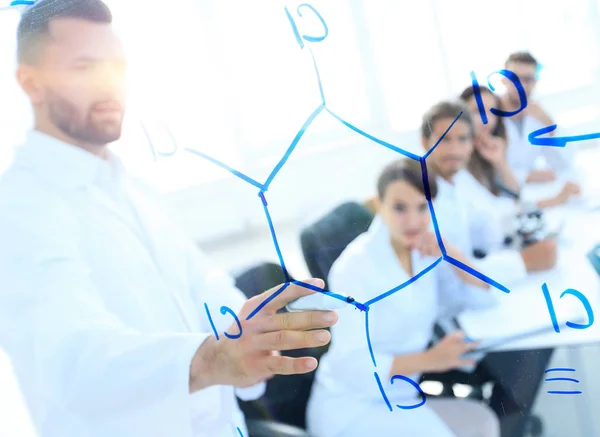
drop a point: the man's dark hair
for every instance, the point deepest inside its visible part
(409, 171)
(33, 28)
(446, 110)
(523, 58)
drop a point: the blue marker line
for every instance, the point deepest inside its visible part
(475, 273)
(478, 99)
(560, 369)
(331, 294)
(294, 28)
(518, 85)
(436, 227)
(318, 78)
(442, 137)
(385, 398)
(557, 141)
(240, 432)
(369, 338)
(552, 392)
(403, 285)
(173, 140)
(550, 307)
(292, 146)
(226, 310)
(325, 28)
(149, 139)
(274, 236)
(372, 138)
(415, 385)
(586, 305)
(226, 167)
(267, 300)
(212, 324)
(563, 379)
(22, 2)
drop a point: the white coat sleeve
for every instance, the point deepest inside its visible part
(77, 359)
(349, 350)
(215, 288)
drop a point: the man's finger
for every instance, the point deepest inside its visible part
(289, 365)
(292, 292)
(277, 297)
(289, 340)
(300, 321)
(455, 336)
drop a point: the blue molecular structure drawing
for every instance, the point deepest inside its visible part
(264, 186)
(365, 307)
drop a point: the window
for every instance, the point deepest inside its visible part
(407, 58)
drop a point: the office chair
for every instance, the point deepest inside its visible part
(323, 241)
(286, 397)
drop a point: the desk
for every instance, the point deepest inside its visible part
(580, 233)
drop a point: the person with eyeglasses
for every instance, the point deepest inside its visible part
(522, 156)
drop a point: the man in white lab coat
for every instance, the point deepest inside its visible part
(466, 223)
(102, 302)
(522, 156)
(462, 218)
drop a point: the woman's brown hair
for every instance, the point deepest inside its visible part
(406, 170)
(479, 167)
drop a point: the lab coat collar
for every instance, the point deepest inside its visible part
(450, 188)
(64, 165)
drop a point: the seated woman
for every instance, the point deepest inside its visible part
(346, 399)
(489, 162)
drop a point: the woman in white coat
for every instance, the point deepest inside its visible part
(489, 164)
(365, 383)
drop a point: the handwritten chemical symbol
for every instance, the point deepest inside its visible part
(224, 310)
(562, 392)
(535, 138)
(571, 292)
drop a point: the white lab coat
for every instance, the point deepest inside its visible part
(469, 219)
(345, 399)
(523, 157)
(101, 304)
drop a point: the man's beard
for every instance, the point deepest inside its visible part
(64, 115)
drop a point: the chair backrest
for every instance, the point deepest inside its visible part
(286, 397)
(259, 278)
(323, 241)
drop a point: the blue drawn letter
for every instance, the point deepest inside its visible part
(517, 83)
(415, 385)
(578, 295)
(224, 310)
(310, 38)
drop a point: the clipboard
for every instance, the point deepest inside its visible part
(491, 344)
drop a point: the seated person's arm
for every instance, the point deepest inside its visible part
(568, 191)
(541, 175)
(445, 355)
